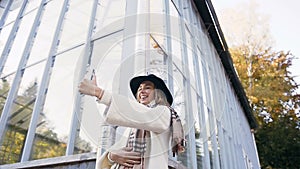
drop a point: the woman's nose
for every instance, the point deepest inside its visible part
(142, 90)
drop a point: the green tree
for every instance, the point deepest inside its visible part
(279, 144)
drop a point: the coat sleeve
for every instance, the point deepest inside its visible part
(129, 113)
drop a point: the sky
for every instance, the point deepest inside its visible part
(284, 25)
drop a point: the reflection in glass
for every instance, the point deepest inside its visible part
(157, 57)
(199, 128)
(20, 115)
(21, 109)
(4, 89)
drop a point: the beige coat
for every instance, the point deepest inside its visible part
(129, 113)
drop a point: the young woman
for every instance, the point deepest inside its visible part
(152, 124)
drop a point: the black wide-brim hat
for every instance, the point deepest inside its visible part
(158, 83)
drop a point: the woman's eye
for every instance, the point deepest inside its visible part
(148, 87)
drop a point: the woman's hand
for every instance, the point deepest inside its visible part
(125, 157)
(89, 87)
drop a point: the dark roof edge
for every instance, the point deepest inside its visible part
(209, 17)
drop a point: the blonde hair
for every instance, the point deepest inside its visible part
(160, 97)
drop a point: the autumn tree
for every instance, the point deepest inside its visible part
(264, 74)
(270, 87)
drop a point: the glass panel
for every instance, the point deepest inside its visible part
(175, 4)
(222, 148)
(33, 5)
(206, 86)
(47, 27)
(201, 136)
(190, 15)
(157, 27)
(110, 15)
(12, 13)
(157, 23)
(211, 109)
(53, 129)
(17, 47)
(20, 115)
(75, 30)
(209, 60)
(176, 54)
(179, 105)
(218, 92)
(205, 116)
(4, 88)
(5, 31)
(156, 59)
(176, 40)
(20, 112)
(156, 6)
(197, 120)
(190, 53)
(216, 105)
(15, 8)
(106, 60)
(204, 46)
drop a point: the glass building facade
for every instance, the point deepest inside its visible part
(48, 46)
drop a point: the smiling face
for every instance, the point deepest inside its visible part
(145, 93)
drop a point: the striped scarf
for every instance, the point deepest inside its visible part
(137, 139)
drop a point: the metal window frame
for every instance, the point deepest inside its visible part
(230, 142)
(187, 91)
(85, 58)
(168, 59)
(168, 43)
(223, 161)
(198, 73)
(126, 68)
(210, 100)
(44, 85)
(10, 40)
(213, 96)
(128, 48)
(202, 90)
(142, 38)
(5, 14)
(20, 71)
